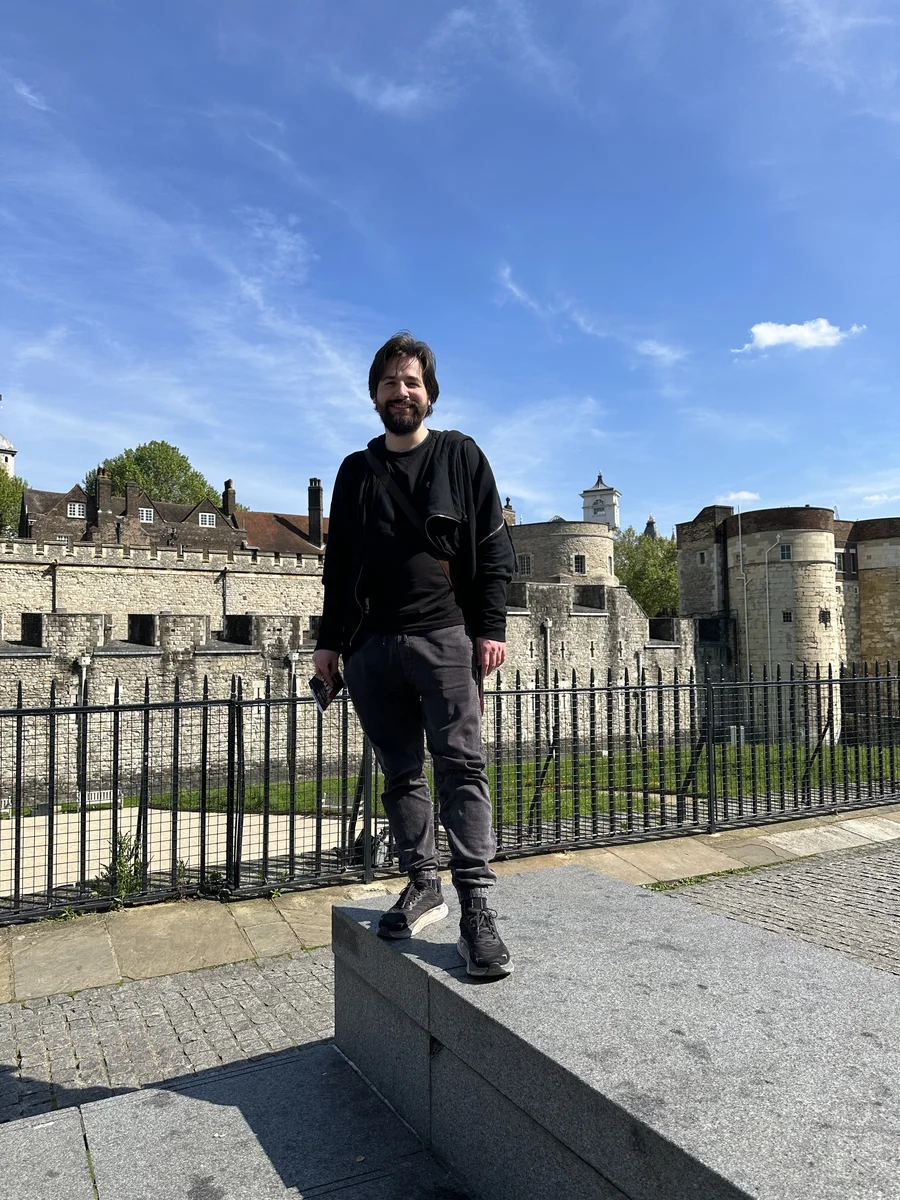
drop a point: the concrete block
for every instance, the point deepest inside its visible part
(395, 975)
(44, 1159)
(511, 1155)
(387, 1046)
(61, 956)
(163, 939)
(678, 1054)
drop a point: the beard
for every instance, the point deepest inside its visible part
(402, 420)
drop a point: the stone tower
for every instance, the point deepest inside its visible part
(601, 504)
(7, 456)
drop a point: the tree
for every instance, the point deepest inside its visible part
(161, 470)
(648, 567)
(11, 488)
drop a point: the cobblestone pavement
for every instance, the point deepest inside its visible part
(848, 900)
(61, 1051)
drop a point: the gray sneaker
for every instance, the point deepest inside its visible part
(420, 904)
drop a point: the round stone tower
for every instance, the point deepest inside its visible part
(7, 456)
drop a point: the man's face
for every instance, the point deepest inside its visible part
(401, 399)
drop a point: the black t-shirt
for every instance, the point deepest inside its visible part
(405, 584)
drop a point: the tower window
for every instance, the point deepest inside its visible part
(786, 552)
(75, 508)
(609, 562)
(839, 560)
(208, 520)
(824, 616)
(701, 558)
(580, 564)
(525, 564)
(787, 616)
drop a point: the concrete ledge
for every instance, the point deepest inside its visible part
(639, 1051)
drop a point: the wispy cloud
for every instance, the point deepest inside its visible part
(810, 335)
(881, 498)
(29, 95)
(733, 426)
(661, 353)
(496, 35)
(850, 44)
(736, 497)
(398, 99)
(518, 293)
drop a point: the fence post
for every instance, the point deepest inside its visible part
(710, 756)
(368, 808)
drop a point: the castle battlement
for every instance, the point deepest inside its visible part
(25, 550)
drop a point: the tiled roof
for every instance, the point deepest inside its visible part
(39, 502)
(278, 531)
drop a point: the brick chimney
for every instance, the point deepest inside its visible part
(229, 500)
(131, 499)
(103, 494)
(509, 513)
(315, 511)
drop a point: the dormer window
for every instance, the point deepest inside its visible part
(75, 508)
(145, 516)
(208, 520)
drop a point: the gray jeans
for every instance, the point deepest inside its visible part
(409, 688)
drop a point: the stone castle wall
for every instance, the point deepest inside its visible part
(554, 544)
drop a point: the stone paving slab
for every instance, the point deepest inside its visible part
(7, 992)
(156, 940)
(847, 901)
(44, 1158)
(61, 956)
(675, 858)
(303, 1123)
(816, 841)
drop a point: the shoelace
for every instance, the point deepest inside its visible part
(410, 893)
(482, 919)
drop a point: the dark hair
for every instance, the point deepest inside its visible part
(404, 345)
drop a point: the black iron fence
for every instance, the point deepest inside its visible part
(103, 803)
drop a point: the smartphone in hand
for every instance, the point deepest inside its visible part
(323, 691)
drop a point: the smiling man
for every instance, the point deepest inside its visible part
(416, 570)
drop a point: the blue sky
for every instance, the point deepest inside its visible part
(655, 239)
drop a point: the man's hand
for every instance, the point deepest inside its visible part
(326, 663)
(489, 655)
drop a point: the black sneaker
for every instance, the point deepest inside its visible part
(420, 904)
(479, 942)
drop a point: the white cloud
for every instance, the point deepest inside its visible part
(810, 335)
(30, 96)
(665, 355)
(881, 498)
(737, 497)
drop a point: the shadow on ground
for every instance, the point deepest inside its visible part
(301, 1123)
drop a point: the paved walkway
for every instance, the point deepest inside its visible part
(189, 1082)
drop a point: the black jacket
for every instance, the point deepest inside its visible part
(465, 526)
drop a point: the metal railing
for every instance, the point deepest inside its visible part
(104, 803)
